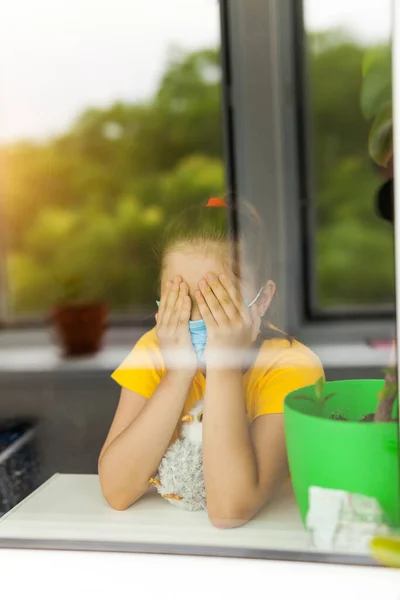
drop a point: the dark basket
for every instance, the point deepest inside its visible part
(19, 464)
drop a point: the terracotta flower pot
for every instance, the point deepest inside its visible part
(80, 328)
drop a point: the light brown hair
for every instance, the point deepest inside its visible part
(205, 226)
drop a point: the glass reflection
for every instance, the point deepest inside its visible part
(222, 420)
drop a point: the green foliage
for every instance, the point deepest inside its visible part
(377, 104)
(319, 387)
(381, 136)
(377, 80)
(318, 399)
(386, 396)
(85, 210)
(353, 246)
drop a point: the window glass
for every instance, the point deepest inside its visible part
(351, 254)
(105, 132)
(215, 413)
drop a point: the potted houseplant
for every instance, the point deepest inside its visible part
(75, 249)
(377, 103)
(79, 316)
(344, 434)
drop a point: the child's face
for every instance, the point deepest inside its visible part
(193, 265)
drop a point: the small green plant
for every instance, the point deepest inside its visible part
(386, 396)
(319, 399)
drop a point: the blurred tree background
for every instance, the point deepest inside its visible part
(353, 246)
(84, 210)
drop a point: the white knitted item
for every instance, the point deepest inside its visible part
(181, 470)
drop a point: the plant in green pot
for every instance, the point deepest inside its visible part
(377, 104)
(343, 435)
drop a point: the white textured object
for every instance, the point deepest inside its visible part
(343, 522)
(180, 474)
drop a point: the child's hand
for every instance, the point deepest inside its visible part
(173, 328)
(227, 318)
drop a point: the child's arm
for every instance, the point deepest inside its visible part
(142, 429)
(242, 466)
(139, 436)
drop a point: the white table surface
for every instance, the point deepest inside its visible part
(71, 507)
(69, 512)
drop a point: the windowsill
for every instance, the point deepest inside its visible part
(24, 351)
(49, 359)
(35, 351)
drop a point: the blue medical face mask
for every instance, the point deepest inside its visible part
(198, 332)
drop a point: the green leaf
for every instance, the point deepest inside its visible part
(375, 92)
(381, 136)
(376, 88)
(305, 398)
(379, 56)
(319, 387)
(326, 398)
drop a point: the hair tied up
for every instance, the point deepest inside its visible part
(216, 202)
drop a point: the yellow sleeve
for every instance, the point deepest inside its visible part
(142, 370)
(297, 370)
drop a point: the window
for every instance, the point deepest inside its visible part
(350, 257)
(92, 169)
(104, 132)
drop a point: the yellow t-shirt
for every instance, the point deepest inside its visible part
(281, 367)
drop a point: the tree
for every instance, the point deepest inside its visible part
(117, 164)
(353, 250)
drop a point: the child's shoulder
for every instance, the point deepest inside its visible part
(149, 339)
(285, 350)
(145, 354)
(283, 365)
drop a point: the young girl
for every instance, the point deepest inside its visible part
(211, 342)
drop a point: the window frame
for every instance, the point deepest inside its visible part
(274, 30)
(283, 40)
(306, 176)
(116, 320)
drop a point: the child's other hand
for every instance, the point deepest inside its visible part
(227, 318)
(173, 328)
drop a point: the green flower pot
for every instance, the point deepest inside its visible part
(361, 458)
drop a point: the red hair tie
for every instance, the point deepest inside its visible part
(216, 202)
